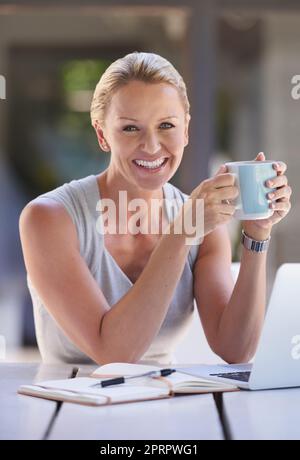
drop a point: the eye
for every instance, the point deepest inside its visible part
(127, 128)
(170, 124)
(132, 128)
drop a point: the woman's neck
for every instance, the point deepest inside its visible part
(110, 185)
(155, 211)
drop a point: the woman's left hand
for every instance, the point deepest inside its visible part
(261, 229)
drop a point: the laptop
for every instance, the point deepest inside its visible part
(277, 360)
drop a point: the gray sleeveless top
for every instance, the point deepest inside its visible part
(80, 197)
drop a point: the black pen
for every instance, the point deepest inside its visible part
(119, 380)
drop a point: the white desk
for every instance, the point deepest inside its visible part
(272, 414)
(24, 417)
(268, 414)
(185, 417)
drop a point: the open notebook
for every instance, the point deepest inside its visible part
(81, 389)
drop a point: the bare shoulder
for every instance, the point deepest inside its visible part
(42, 209)
(43, 217)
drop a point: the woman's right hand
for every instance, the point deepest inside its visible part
(215, 209)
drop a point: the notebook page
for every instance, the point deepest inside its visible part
(115, 393)
(62, 395)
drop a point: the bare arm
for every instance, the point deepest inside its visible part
(232, 315)
(70, 293)
(242, 320)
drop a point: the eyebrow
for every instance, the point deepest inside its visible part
(133, 119)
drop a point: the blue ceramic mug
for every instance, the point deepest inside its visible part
(252, 202)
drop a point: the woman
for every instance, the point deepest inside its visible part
(129, 296)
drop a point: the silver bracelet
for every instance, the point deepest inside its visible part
(254, 245)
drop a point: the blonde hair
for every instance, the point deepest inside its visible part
(146, 67)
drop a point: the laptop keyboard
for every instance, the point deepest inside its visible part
(243, 376)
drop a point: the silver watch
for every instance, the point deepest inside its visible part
(254, 245)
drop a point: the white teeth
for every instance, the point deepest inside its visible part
(150, 164)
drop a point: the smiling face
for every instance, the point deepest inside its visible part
(145, 121)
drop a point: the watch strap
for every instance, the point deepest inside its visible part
(254, 245)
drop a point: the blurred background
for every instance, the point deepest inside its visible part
(237, 57)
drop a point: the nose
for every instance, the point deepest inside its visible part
(150, 143)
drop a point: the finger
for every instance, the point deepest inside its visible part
(275, 218)
(285, 198)
(223, 180)
(260, 157)
(225, 193)
(226, 209)
(276, 182)
(280, 206)
(281, 192)
(280, 167)
(222, 169)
